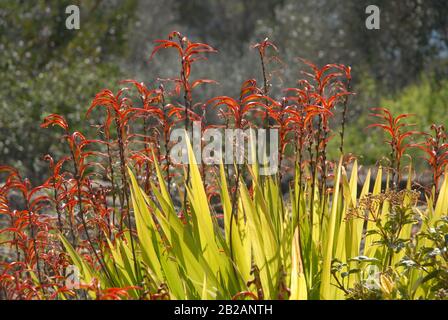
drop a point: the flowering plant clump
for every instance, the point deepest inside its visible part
(165, 204)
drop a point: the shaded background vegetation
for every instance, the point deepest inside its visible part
(46, 68)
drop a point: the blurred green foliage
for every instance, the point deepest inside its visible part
(47, 68)
(427, 99)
